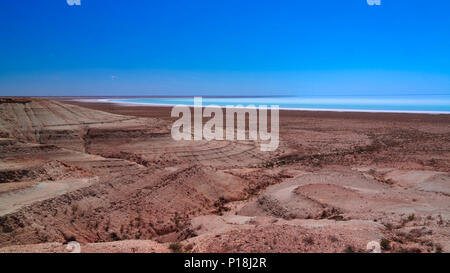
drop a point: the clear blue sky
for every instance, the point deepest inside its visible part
(218, 47)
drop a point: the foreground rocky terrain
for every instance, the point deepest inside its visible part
(111, 178)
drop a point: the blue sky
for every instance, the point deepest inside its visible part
(217, 47)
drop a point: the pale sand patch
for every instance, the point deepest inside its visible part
(13, 201)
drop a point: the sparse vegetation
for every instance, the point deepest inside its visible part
(115, 236)
(220, 205)
(69, 238)
(385, 244)
(349, 249)
(411, 217)
(176, 247)
(309, 240)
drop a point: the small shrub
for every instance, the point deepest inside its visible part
(389, 226)
(309, 240)
(69, 238)
(438, 248)
(349, 249)
(175, 247)
(114, 236)
(384, 243)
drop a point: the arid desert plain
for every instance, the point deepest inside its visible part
(110, 177)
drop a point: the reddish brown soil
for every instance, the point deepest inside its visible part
(107, 175)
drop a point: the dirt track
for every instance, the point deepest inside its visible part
(338, 181)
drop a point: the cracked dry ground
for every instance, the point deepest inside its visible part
(111, 178)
